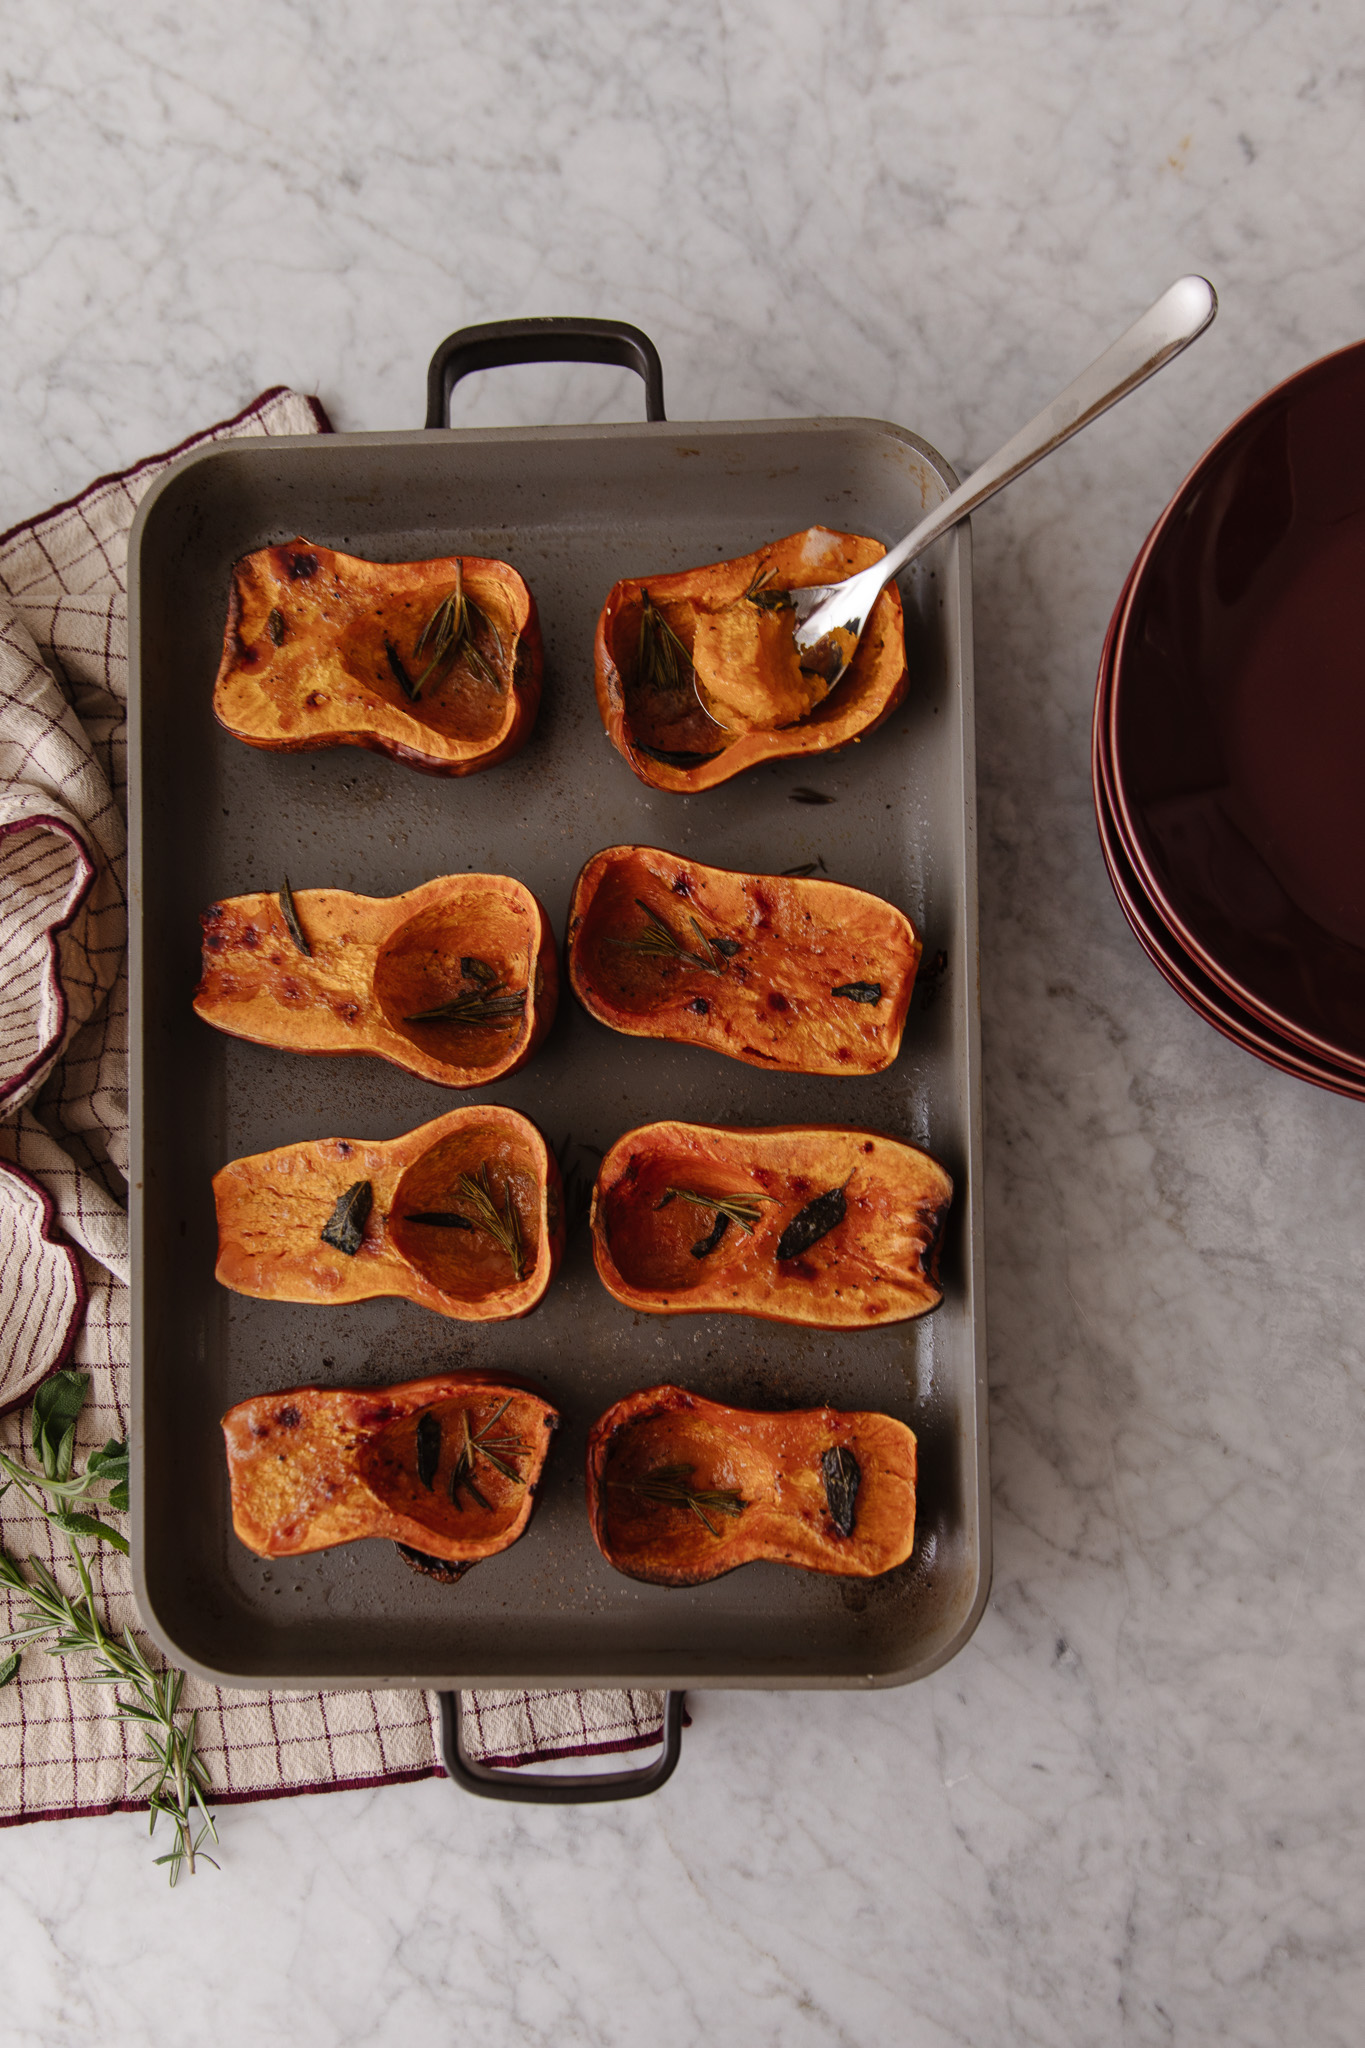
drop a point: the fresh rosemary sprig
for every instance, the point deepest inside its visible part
(503, 1225)
(475, 1006)
(449, 634)
(662, 661)
(740, 1209)
(176, 1782)
(767, 600)
(671, 1486)
(660, 941)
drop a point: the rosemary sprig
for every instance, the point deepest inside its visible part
(662, 661)
(740, 1209)
(671, 1486)
(449, 633)
(766, 599)
(481, 1443)
(475, 1006)
(502, 1224)
(176, 1781)
(659, 940)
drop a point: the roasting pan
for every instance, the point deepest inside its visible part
(573, 508)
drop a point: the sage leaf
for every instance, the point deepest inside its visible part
(812, 1223)
(345, 1227)
(842, 1475)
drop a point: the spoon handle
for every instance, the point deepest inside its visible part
(1178, 316)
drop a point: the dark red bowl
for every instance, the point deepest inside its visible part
(1184, 974)
(1235, 746)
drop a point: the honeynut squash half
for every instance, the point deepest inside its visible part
(448, 1467)
(463, 1215)
(798, 975)
(682, 1489)
(822, 1224)
(456, 981)
(436, 663)
(697, 672)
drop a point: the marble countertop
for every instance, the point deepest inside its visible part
(1131, 1809)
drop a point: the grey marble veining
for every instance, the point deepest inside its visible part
(1131, 1811)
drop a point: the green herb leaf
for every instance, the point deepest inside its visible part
(475, 1006)
(812, 1223)
(671, 1486)
(502, 1224)
(289, 912)
(9, 1669)
(345, 1227)
(56, 1405)
(842, 1475)
(450, 633)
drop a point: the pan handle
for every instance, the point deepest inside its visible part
(536, 1788)
(498, 342)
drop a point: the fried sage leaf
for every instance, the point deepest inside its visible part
(400, 673)
(277, 626)
(289, 912)
(812, 1223)
(704, 1246)
(842, 1475)
(345, 1227)
(440, 1219)
(428, 1447)
(859, 991)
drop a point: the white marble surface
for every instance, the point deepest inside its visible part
(1131, 1810)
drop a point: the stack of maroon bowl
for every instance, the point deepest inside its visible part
(1229, 735)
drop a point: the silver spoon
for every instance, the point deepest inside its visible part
(830, 616)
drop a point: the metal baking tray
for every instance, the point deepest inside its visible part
(573, 508)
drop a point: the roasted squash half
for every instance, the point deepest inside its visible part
(652, 674)
(448, 1466)
(456, 981)
(805, 977)
(436, 663)
(820, 1224)
(464, 1215)
(682, 1489)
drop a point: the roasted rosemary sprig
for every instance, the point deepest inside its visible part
(481, 1443)
(740, 1209)
(761, 595)
(176, 1782)
(658, 939)
(671, 1486)
(502, 1224)
(662, 662)
(449, 636)
(475, 1006)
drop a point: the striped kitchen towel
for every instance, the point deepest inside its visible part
(63, 1222)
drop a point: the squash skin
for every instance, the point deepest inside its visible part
(328, 681)
(772, 1460)
(376, 960)
(341, 1480)
(866, 695)
(457, 1273)
(771, 1004)
(878, 1265)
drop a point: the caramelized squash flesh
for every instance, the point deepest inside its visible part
(477, 947)
(801, 976)
(682, 1489)
(324, 649)
(821, 1224)
(696, 672)
(463, 1215)
(449, 1465)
